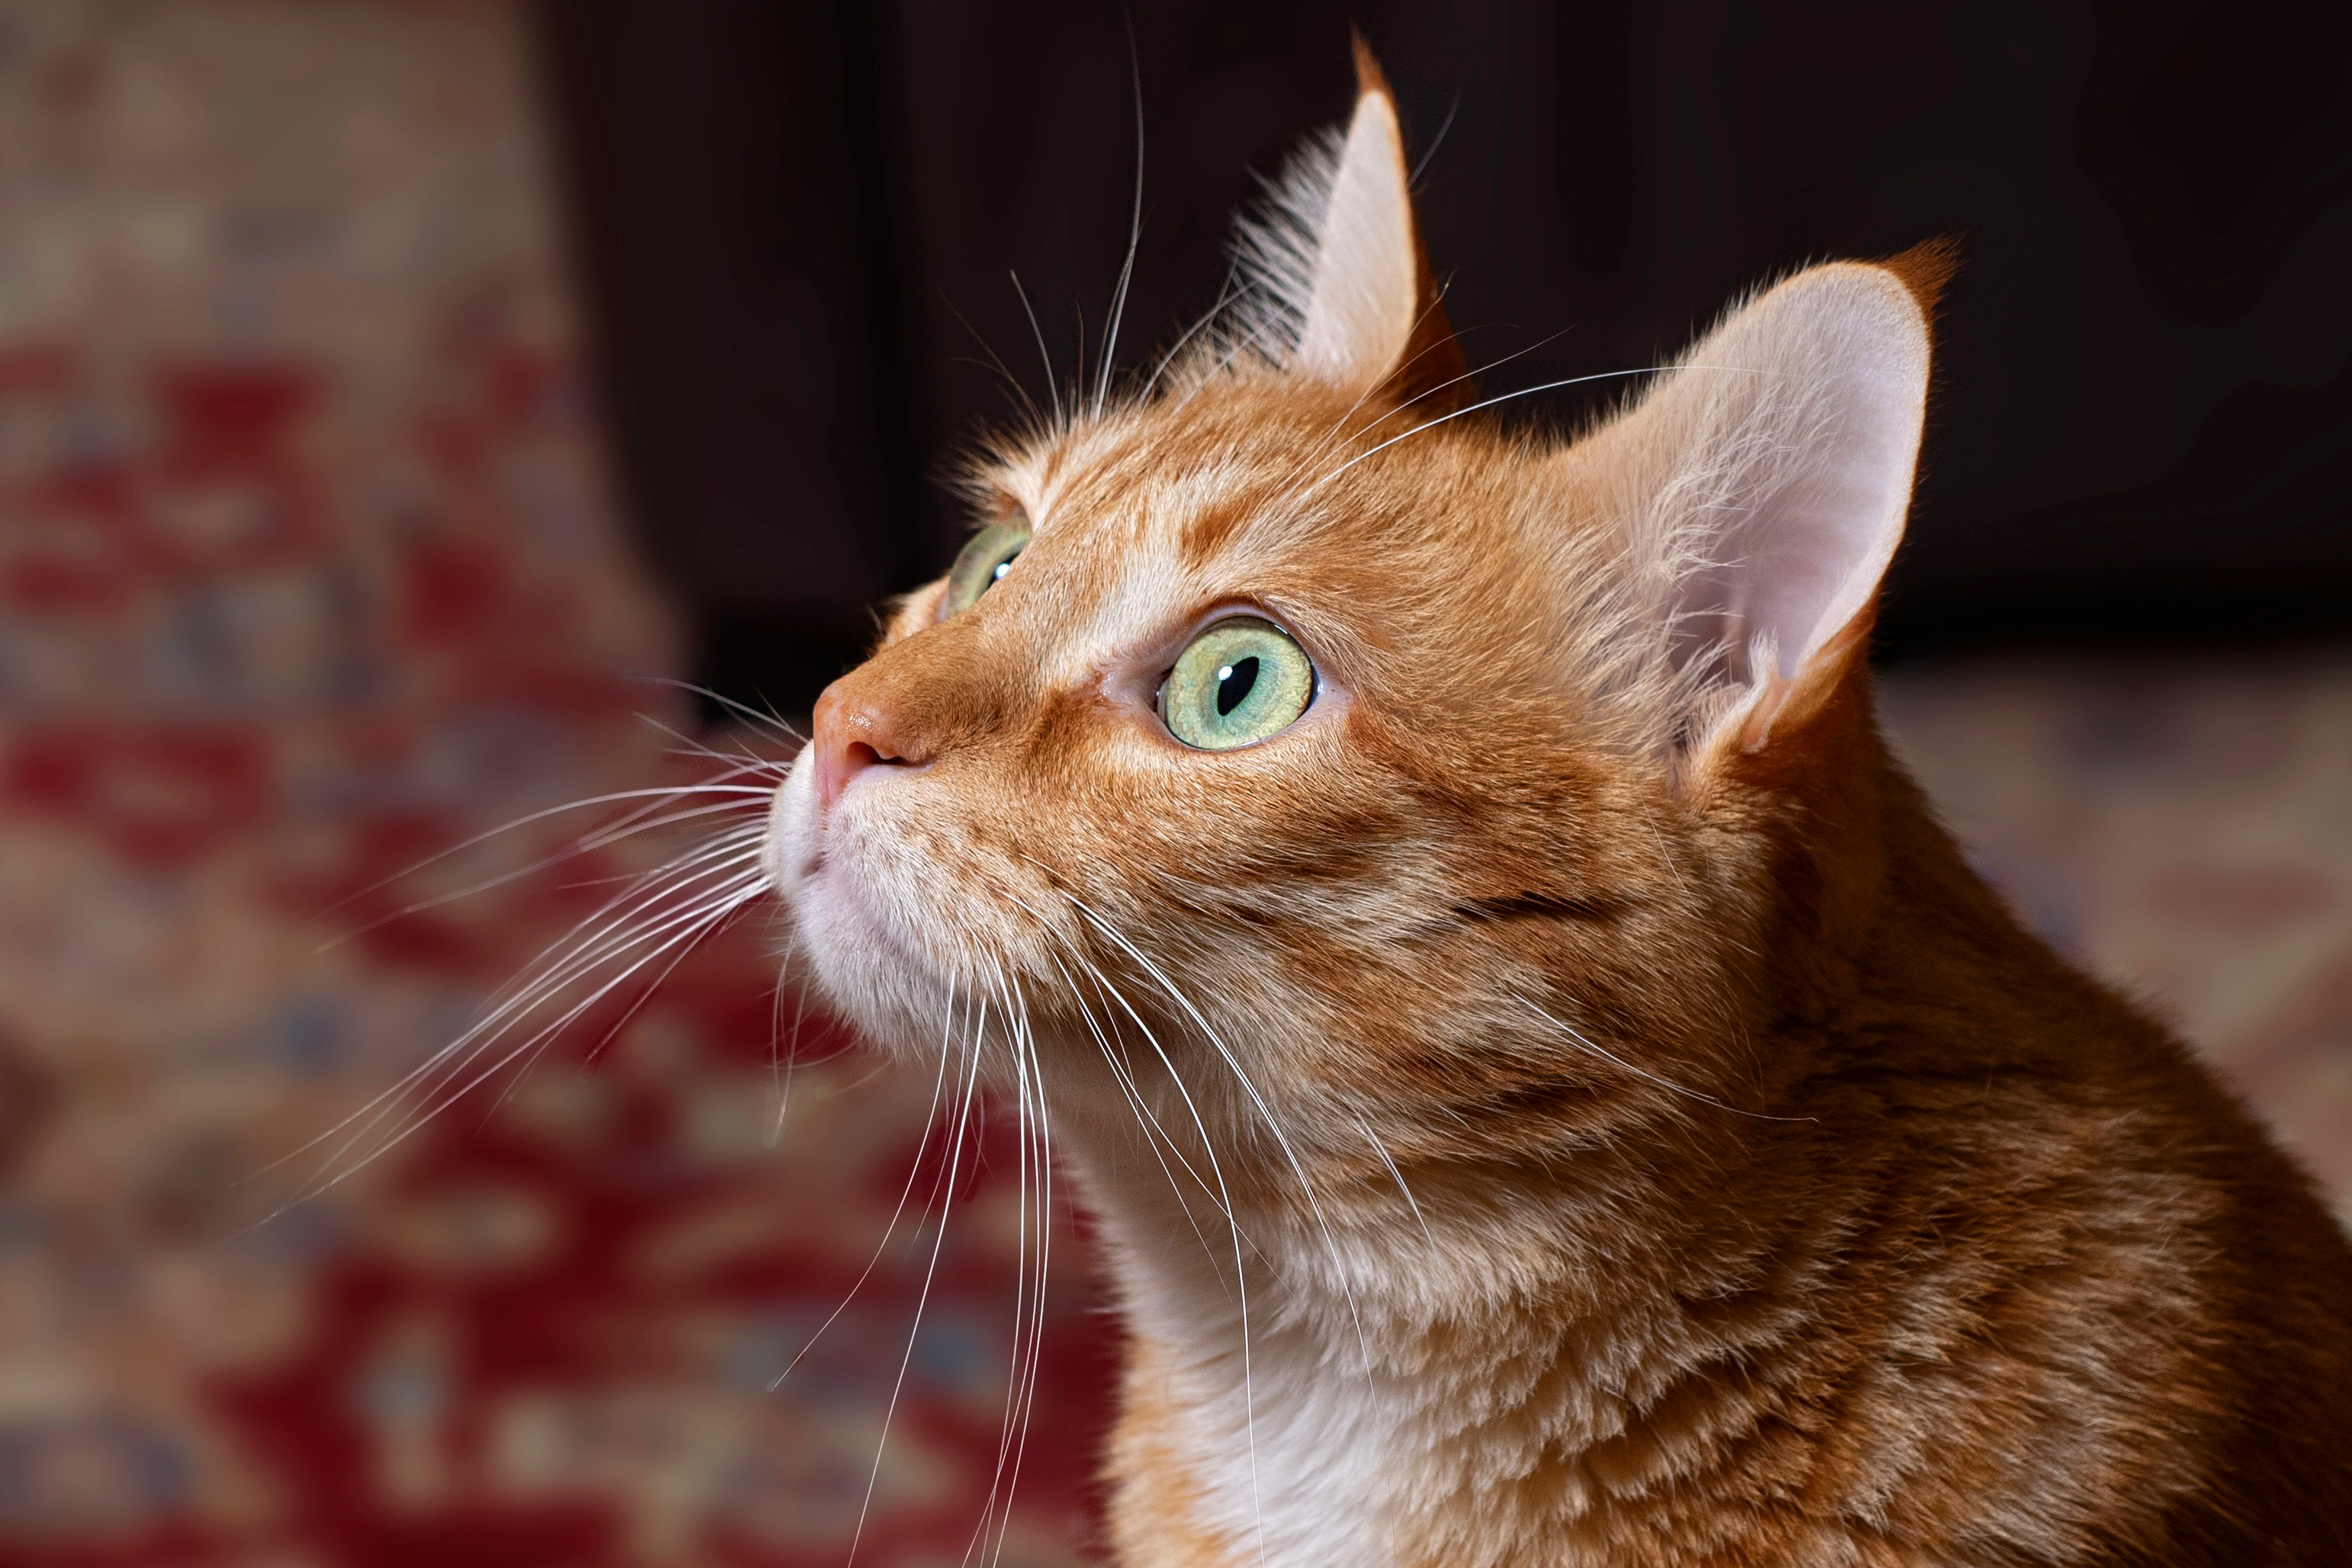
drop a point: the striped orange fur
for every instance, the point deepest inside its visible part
(1563, 1099)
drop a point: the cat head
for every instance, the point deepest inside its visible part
(1332, 752)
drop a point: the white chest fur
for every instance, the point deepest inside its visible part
(1299, 1456)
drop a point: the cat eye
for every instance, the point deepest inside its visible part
(984, 558)
(1241, 680)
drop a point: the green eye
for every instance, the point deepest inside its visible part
(982, 561)
(1240, 681)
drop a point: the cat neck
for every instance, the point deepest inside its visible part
(1454, 1319)
(1872, 909)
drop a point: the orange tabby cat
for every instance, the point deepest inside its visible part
(1551, 1092)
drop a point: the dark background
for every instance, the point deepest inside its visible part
(797, 223)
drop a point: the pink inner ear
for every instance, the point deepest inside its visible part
(1360, 303)
(1797, 428)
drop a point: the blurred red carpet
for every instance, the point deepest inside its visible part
(307, 571)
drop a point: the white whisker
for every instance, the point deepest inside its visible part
(1265, 1111)
(1396, 1175)
(1053, 387)
(1154, 1135)
(1575, 1037)
(694, 748)
(914, 1172)
(674, 793)
(696, 923)
(955, 1161)
(1028, 1301)
(767, 720)
(599, 840)
(1043, 1156)
(1225, 294)
(780, 1064)
(995, 361)
(1134, 234)
(718, 878)
(1506, 397)
(1233, 1223)
(510, 1003)
(1332, 434)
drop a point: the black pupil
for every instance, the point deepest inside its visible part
(1001, 566)
(1234, 685)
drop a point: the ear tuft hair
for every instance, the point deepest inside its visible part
(1927, 269)
(1334, 283)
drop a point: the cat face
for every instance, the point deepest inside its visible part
(1039, 812)
(1336, 751)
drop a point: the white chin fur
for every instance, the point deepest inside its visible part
(792, 825)
(873, 979)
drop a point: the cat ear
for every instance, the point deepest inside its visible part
(1766, 479)
(1369, 314)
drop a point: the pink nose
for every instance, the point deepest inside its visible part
(851, 734)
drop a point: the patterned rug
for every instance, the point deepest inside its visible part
(308, 572)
